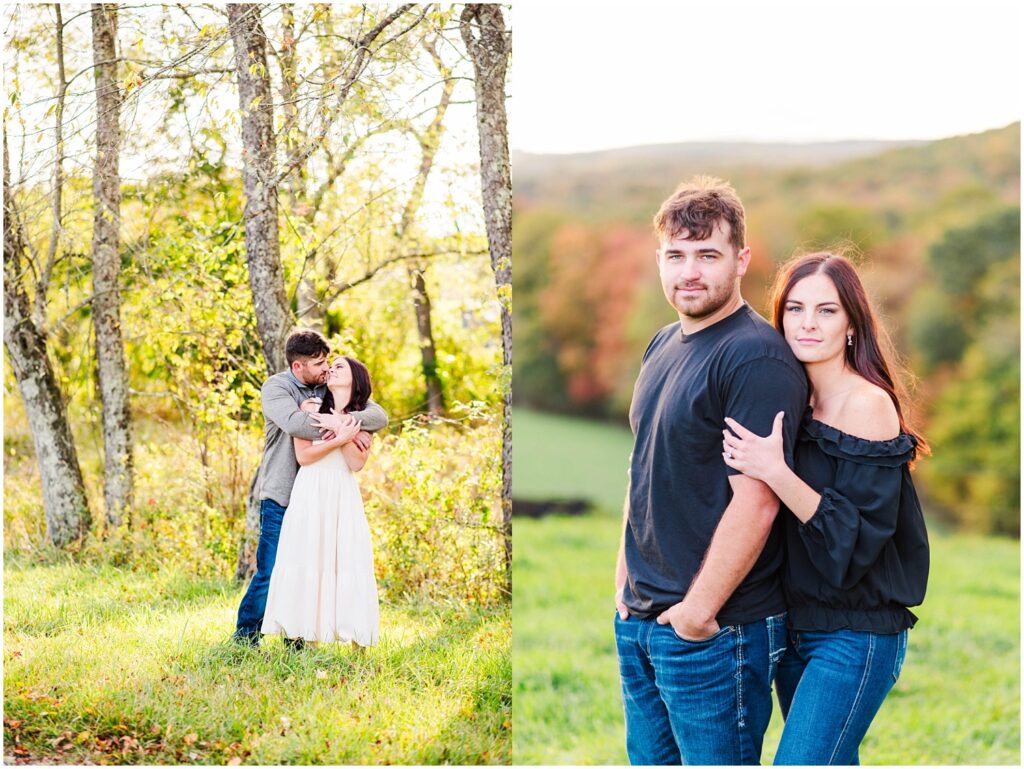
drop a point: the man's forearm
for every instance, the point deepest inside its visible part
(738, 541)
(373, 418)
(280, 408)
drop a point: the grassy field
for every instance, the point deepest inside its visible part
(566, 457)
(103, 665)
(957, 701)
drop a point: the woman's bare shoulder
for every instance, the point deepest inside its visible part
(869, 413)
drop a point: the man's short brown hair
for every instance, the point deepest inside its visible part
(697, 206)
(305, 344)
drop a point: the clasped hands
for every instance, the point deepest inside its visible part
(343, 427)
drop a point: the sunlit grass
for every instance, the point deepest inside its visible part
(110, 666)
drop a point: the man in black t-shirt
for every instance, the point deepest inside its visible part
(700, 617)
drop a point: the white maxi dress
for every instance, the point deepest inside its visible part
(323, 587)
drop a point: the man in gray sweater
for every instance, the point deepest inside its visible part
(306, 352)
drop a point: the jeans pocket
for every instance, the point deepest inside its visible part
(714, 636)
(901, 655)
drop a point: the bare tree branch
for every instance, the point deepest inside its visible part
(336, 167)
(341, 288)
(355, 69)
(189, 74)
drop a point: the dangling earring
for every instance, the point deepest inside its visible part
(849, 340)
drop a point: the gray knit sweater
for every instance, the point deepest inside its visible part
(281, 396)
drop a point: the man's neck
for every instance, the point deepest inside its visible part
(693, 325)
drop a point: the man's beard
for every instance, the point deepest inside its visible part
(316, 381)
(706, 303)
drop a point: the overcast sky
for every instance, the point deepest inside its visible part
(599, 75)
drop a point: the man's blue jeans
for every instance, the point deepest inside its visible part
(830, 686)
(704, 702)
(254, 603)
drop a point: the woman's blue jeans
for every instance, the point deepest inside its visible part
(830, 686)
(703, 702)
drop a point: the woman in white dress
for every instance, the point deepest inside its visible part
(322, 587)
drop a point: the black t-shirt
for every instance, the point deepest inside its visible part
(862, 558)
(739, 367)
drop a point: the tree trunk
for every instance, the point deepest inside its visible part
(106, 257)
(64, 500)
(246, 565)
(291, 132)
(262, 244)
(489, 44)
(308, 305)
(429, 142)
(428, 351)
(39, 306)
(308, 308)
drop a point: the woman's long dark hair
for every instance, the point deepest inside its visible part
(361, 389)
(872, 354)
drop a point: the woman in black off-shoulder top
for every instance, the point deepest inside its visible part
(857, 548)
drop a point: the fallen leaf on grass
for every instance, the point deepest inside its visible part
(234, 761)
(62, 737)
(321, 674)
(190, 739)
(82, 737)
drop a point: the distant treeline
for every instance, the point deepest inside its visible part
(935, 228)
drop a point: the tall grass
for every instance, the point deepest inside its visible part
(432, 491)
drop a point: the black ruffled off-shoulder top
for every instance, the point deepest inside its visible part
(862, 558)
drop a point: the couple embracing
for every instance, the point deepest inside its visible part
(772, 534)
(314, 576)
